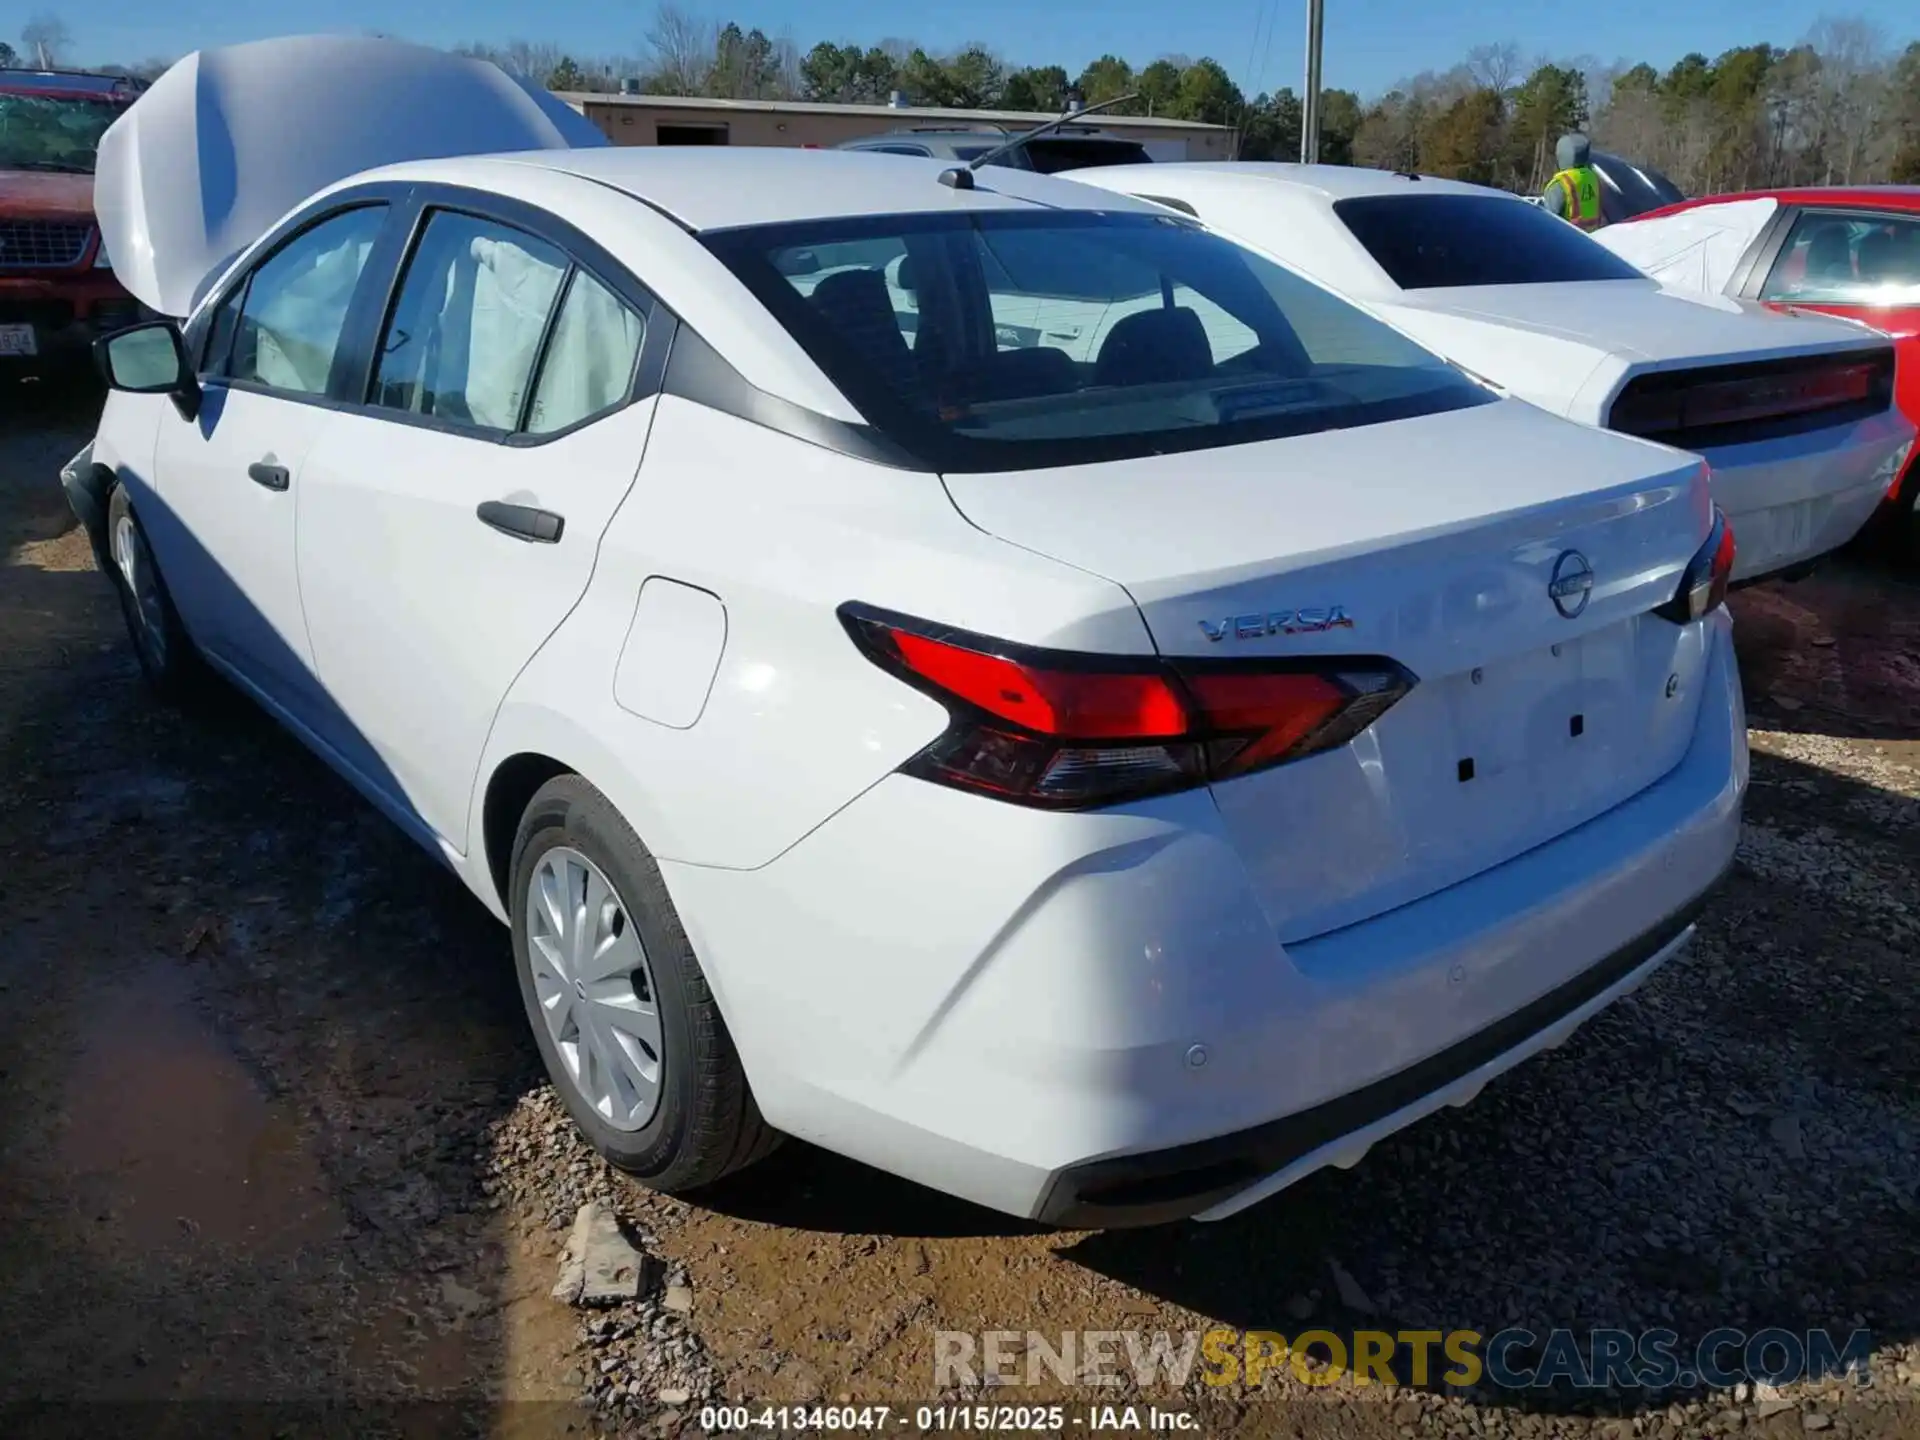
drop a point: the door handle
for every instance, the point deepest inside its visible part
(274, 477)
(523, 522)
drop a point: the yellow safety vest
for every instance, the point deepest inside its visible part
(1582, 188)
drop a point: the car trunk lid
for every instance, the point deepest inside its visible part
(1635, 319)
(1440, 543)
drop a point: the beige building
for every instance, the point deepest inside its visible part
(686, 120)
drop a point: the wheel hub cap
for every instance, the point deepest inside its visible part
(595, 988)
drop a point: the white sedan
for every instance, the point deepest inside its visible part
(1108, 786)
(1793, 412)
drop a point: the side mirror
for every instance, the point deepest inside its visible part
(149, 359)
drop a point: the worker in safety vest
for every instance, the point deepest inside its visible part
(1574, 193)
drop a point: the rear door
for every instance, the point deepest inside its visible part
(448, 526)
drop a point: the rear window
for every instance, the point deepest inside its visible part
(1053, 153)
(1009, 340)
(1430, 242)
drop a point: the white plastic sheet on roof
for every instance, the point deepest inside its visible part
(1697, 249)
(229, 140)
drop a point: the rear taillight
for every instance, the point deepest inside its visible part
(1703, 585)
(1729, 403)
(1070, 731)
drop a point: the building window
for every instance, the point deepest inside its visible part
(665, 134)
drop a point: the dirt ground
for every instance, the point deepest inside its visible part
(275, 1147)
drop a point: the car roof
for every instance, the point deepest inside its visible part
(69, 82)
(707, 189)
(1329, 182)
(984, 132)
(935, 132)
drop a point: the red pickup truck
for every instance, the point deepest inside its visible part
(57, 290)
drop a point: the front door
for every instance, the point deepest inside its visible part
(227, 481)
(448, 528)
(1862, 265)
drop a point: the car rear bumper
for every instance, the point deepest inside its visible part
(1088, 1019)
(1794, 499)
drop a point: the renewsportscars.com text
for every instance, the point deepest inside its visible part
(1514, 1358)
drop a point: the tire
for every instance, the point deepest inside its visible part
(1904, 524)
(168, 657)
(703, 1123)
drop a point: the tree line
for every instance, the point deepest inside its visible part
(1840, 107)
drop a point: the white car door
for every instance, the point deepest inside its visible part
(227, 481)
(447, 528)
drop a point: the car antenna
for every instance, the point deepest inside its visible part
(959, 179)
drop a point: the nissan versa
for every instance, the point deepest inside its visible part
(971, 671)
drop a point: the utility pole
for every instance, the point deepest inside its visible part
(1310, 101)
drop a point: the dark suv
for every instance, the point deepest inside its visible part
(57, 289)
(1071, 147)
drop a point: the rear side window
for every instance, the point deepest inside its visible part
(992, 340)
(1838, 259)
(588, 365)
(281, 328)
(1429, 242)
(465, 333)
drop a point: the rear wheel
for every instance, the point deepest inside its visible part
(623, 1016)
(168, 658)
(1905, 529)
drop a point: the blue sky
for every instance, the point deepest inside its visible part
(1369, 43)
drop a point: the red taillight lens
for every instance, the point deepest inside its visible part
(1264, 716)
(1703, 585)
(1090, 704)
(1073, 731)
(1725, 403)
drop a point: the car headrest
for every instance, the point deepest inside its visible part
(856, 303)
(1155, 346)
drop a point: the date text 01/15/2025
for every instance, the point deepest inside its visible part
(936, 1419)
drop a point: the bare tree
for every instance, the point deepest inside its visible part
(1495, 67)
(787, 54)
(46, 38)
(682, 46)
(1853, 86)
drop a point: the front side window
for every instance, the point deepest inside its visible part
(1837, 259)
(1430, 242)
(465, 333)
(1008, 339)
(282, 327)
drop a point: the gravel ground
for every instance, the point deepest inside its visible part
(272, 1132)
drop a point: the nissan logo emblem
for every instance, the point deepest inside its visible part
(1572, 584)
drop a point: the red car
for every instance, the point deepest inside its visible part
(57, 290)
(1851, 252)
